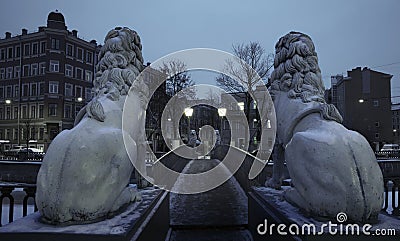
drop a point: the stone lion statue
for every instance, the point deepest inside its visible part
(193, 141)
(332, 169)
(85, 173)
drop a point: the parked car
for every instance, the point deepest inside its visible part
(389, 150)
(31, 153)
(390, 147)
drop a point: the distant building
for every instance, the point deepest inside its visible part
(363, 98)
(45, 79)
(396, 122)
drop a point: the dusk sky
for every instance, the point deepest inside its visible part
(347, 34)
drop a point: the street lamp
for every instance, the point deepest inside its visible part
(188, 112)
(361, 101)
(8, 102)
(241, 105)
(80, 99)
(221, 113)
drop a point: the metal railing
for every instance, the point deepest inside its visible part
(387, 154)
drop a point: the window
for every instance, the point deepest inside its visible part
(17, 71)
(2, 73)
(70, 50)
(42, 68)
(41, 133)
(25, 69)
(79, 73)
(24, 113)
(10, 52)
(52, 109)
(68, 111)
(8, 134)
(8, 112)
(33, 89)
(17, 51)
(9, 72)
(16, 90)
(41, 88)
(1, 92)
(15, 134)
(376, 103)
(88, 76)
(55, 43)
(89, 57)
(78, 91)
(27, 49)
(9, 91)
(377, 124)
(15, 112)
(34, 69)
(69, 70)
(25, 90)
(32, 133)
(43, 47)
(41, 108)
(68, 90)
(79, 53)
(54, 66)
(376, 135)
(88, 94)
(1, 114)
(35, 48)
(33, 111)
(2, 54)
(53, 87)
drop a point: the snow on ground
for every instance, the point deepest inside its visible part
(224, 205)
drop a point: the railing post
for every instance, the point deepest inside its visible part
(396, 185)
(6, 192)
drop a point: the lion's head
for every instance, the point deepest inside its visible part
(120, 62)
(296, 72)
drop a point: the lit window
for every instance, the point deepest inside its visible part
(376, 103)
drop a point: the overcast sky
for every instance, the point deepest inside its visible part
(346, 33)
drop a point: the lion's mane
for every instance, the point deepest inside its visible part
(296, 71)
(120, 62)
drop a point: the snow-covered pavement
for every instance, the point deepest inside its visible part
(221, 212)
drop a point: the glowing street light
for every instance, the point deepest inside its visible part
(241, 105)
(188, 112)
(361, 101)
(222, 112)
(8, 102)
(80, 99)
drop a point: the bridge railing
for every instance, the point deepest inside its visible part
(391, 178)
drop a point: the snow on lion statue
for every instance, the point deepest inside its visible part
(85, 173)
(332, 169)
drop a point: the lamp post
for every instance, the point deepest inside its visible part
(221, 113)
(188, 112)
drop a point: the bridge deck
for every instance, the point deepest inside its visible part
(218, 214)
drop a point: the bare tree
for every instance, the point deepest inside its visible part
(255, 66)
(177, 80)
(251, 68)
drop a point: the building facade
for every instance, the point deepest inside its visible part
(45, 79)
(396, 123)
(363, 98)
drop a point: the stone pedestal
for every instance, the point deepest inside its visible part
(268, 208)
(144, 220)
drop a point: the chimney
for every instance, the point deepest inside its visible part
(41, 28)
(75, 33)
(24, 31)
(8, 35)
